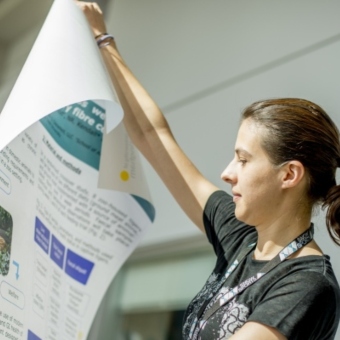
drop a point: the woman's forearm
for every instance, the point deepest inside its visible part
(142, 118)
(148, 128)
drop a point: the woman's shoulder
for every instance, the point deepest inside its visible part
(313, 271)
(302, 292)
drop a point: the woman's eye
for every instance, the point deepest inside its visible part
(242, 161)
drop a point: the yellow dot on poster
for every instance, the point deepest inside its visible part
(124, 176)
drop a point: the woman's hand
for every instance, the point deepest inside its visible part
(94, 16)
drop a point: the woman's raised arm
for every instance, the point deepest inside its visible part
(149, 130)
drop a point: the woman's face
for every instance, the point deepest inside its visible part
(256, 184)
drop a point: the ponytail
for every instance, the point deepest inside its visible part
(333, 213)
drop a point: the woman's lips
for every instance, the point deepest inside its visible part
(236, 196)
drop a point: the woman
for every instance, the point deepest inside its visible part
(271, 280)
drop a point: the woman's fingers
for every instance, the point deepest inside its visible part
(94, 16)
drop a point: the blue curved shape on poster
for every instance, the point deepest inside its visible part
(146, 206)
(78, 129)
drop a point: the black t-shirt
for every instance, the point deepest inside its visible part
(300, 297)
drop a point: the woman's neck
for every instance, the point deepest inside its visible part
(272, 238)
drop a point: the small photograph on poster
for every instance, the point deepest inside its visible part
(6, 228)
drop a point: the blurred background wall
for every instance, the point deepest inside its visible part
(203, 62)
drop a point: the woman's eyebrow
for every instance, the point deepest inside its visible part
(242, 152)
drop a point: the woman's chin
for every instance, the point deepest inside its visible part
(244, 217)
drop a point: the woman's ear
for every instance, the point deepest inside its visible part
(293, 174)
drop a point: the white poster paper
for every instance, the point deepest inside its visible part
(73, 199)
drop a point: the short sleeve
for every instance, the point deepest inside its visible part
(301, 306)
(224, 231)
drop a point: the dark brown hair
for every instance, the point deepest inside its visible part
(298, 129)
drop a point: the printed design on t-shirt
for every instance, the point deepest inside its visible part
(208, 291)
(226, 320)
(229, 318)
(234, 317)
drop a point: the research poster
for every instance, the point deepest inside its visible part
(74, 203)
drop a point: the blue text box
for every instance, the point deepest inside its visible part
(78, 267)
(57, 252)
(42, 235)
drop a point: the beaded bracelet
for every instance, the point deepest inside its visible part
(104, 39)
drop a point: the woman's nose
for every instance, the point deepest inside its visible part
(228, 174)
